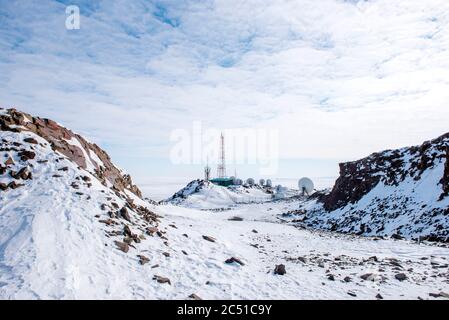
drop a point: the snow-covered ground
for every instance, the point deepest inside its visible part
(161, 188)
(66, 235)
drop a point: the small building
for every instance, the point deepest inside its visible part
(224, 182)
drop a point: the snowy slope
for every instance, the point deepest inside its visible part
(396, 192)
(67, 233)
(204, 195)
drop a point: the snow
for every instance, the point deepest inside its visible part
(75, 142)
(95, 158)
(53, 246)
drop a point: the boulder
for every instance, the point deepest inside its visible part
(280, 270)
(122, 246)
(161, 279)
(30, 140)
(124, 214)
(234, 260)
(400, 276)
(208, 238)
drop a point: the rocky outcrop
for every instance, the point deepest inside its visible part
(85, 154)
(400, 193)
(359, 177)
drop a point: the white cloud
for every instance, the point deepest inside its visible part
(339, 79)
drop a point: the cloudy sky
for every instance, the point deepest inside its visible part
(337, 79)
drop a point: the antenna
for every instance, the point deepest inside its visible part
(221, 168)
(207, 170)
(305, 186)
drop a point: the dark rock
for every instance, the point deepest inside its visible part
(280, 269)
(352, 294)
(30, 140)
(254, 231)
(9, 162)
(368, 277)
(122, 246)
(378, 296)
(347, 279)
(331, 277)
(151, 230)
(14, 185)
(400, 276)
(124, 214)
(166, 254)
(208, 238)
(3, 186)
(142, 259)
(194, 297)
(161, 279)
(234, 260)
(26, 155)
(235, 219)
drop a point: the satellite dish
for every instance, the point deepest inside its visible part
(268, 183)
(250, 181)
(305, 186)
(261, 182)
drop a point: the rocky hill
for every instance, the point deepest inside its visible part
(402, 192)
(65, 210)
(86, 155)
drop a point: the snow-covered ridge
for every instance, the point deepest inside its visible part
(396, 192)
(61, 226)
(205, 195)
(85, 154)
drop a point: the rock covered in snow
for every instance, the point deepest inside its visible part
(400, 193)
(85, 154)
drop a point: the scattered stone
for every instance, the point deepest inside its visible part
(397, 236)
(26, 155)
(280, 270)
(185, 235)
(302, 259)
(9, 162)
(14, 185)
(194, 297)
(235, 218)
(439, 295)
(254, 231)
(173, 226)
(85, 178)
(161, 279)
(124, 214)
(185, 253)
(63, 169)
(151, 230)
(378, 296)
(122, 246)
(30, 140)
(208, 238)
(3, 186)
(236, 260)
(331, 277)
(56, 176)
(127, 231)
(368, 277)
(400, 276)
(352, 294)
(155, 266)
(347, 279)
(166, 254)
(143, 260)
